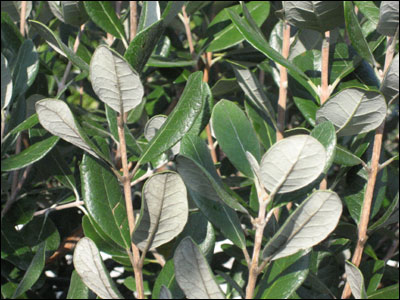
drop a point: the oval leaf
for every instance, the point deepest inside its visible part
(193, 273)
(6, 83)
(179, 121)
(390, 84)
(30, 155)
(307, 226)
(355, 280)
(56, 117)
(114, 81)
(317, 15)
(91, 269)
(164, 211)
(235, 135)
(388, 18)
(104, 201)
(353, 111)
(292, 163)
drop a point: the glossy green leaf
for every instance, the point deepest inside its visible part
(103, 14)
(198, 171)
(90, 267)
(390, 292)
(344, 157)
(11, 37)
(179, 121)
(369, 10)
(114, 81)
(166, 277)
(224, 34)
(26, 68)
(235, 135)
(58, 45)
(164, 211)
(29, 155)
(77, 289)
(292, 163)
(390, 215)
(153, 125)
(326, 135)
(164, 62)
(356, 281)
(355, 33)
(6, 83)
(56, 117)
(142, 46)
(353, 111)
(388, 18)
(104, 201)
(170, 12)
(317, 15)
(33, 272)
(254, 91)
(149, 15)
(283, 276)
(373, 271)
(193, 273)
(390, 83)
(254, 36)
(308, 109)
(307, 226)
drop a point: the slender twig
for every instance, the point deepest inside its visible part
(186, 22)
(137, 267)
(386, 163)
(22, 17)
(368, 196)
(59, 207)
(160, 258)
(133, 19)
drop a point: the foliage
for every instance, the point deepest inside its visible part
(163, 162)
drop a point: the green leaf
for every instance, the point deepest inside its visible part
(317, 15)
(77, 289)
(353, 111)
(308, 109)
(344, 157)
(369, 10)
(103, 14)
(254, 36)
(198, 171)
(224, 35)
(25, 69)
(164, 211)
(235, 135)
(149, 15)
(193, 273)
(326, 135)
(29, 155)
(390, 292)
(104, 200)
(11, 37)
(388, 18)
(13, 8)
(390, 83)
(283, 276)
(114, 81)
(170, 12)
(142, 46)
(355, 33)
(292, 163)
(254, 92)
(179, 121)
(307, 226)
(166, 277)
(6, 83)
(74, 12)
(388, 216)
(58, 46)
(165, 293)
(34, 270)
(355, 280)
(56, 117)
(165, 62)
(91, 269)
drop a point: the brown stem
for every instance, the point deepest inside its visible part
(22, 18)
(59, 207)
(186, 22)
(133, 27)
(126, 181)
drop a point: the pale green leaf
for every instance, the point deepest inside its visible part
(6, 83)
(355, 280)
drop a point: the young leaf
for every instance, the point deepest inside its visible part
(29, 155)
(388, 18)
(235, 135)
(6, 83)
(355, 280)
(390, 83)
(317, 15)
(164, 211)
(91, 269)
(326, 135)
(307, 226)
(56, 117)
(193, 273)
(292, 163)
(102, 13)
(179, 121)
(114, 81)
(353, 111)
(104, 201)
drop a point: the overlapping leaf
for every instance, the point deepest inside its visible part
(388, 18)
(356, 281)
(390, 84)
(6, 83)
